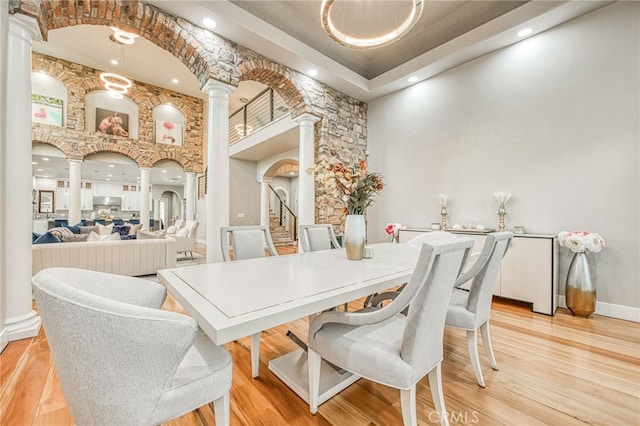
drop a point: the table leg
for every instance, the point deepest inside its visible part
(255, 355)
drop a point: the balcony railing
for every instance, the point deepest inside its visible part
(266, 107)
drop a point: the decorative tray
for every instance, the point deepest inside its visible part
(471, 231)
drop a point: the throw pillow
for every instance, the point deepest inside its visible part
(148, 235)
(35, 236)
(121, 229)
(183, 232)
(60, 231)
(105, 230)
(171, 229)
(74, 238)
(88, 229)
(47, 238)
(133, 230)
(74, 228)
(97, 237)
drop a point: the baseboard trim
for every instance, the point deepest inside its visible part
(4, 338)
(626, 313)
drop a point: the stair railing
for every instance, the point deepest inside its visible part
(286, 217)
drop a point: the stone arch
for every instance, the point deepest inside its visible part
(177, 36)
(280, 79)
(186, 164)
(45, 138)
(105, 146)
(279, 166)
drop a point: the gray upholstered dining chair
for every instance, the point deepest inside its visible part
(470, 309)
(120, 359)
(317, 237)
(248, 242)
(376, 300)
(390, 348)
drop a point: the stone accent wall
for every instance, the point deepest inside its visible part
(341, 132)
(78, 142)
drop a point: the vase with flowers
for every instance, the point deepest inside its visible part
(393, 230)
(356, 188)
(580, 290)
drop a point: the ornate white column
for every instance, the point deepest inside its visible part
(190, 196)
(21, 319)
(145, 176)
(156, 209)
(75, 171)
(218, 165)
(264, 200)
(306, 181)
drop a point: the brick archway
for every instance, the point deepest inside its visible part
(278, 78)
(44, 138)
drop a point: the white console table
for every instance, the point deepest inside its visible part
(529, 269)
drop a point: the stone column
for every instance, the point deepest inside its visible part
(21, 319)
(218, 165)
(190, 196)
(145, 175)
(264, 200)
(306, 181)
(75, 203)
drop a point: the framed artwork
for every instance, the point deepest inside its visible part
(112, 122)
(45, 201)
(46, 110)
(168, 133)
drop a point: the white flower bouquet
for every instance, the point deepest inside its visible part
(581, 241)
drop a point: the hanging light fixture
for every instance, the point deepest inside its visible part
(116, 84)
(360, 10)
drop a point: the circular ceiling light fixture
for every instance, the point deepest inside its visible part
(361, 16)
(524, 32)
(116, 84)
(123, 36)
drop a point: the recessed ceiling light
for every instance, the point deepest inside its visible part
(164, 171)
(45, 158)
(114, 62)
(111, 165)
(174, 80)
(38, 170)
(107, 179)
(209, 23)
(109, 175)
(524, 32)
(243, 100)
(180, 177)
(35, 163)
(312, 72)
(413, 79)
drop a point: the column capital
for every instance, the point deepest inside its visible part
(265, 179)
(25, 27)
(190, 173)
(215, 88)
(306, 118)
(144, 168)
(74, 160)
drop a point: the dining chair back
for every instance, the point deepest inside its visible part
(247, 242)
(470, 309)
(317, 237)
(390, 348)
(122, 360)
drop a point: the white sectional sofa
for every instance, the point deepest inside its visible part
(125, 257)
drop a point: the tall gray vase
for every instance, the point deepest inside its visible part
(580, 290)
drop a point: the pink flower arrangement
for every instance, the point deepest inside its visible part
(579, 241)
(392, 229)
(168, 125)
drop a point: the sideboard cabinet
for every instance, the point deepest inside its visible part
(528, 272)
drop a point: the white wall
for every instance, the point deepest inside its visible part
(554, 120)
(4, 27)
(244, 193)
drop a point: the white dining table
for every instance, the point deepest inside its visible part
(231, 300)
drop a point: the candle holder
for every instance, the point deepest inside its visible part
(501, 214)
(443, 218)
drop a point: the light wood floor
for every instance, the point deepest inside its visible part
(559, 370)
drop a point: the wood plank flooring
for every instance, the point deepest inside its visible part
(559, 370)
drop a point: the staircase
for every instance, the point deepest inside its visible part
(279, 235)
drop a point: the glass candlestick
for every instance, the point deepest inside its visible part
(501, 214)
(443, 218)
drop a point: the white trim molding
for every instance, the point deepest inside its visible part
(626, 313)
